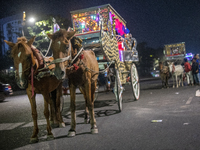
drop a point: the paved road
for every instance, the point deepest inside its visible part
(132, 129)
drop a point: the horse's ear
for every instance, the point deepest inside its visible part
(11, 44)
(70, 34)
(50, 35)
(30, 42)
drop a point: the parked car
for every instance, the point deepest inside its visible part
(5, 90)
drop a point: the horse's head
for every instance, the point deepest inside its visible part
(23, 59)
(61, 47)
(170, 64)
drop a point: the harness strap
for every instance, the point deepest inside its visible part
(173, 68)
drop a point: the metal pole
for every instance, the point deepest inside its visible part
(54, 22)
(23, 23)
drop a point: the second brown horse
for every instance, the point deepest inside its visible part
(82, 73)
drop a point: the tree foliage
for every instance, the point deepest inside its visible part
(43, 26)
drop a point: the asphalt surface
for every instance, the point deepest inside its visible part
(132, 129)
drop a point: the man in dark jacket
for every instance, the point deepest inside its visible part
(195, 70)
(197, 60)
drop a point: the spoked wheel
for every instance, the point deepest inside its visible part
(118, 90)
(96, 92)
(135, 82)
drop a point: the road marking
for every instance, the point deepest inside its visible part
(10, 126)
(40, 122)
(189, 101)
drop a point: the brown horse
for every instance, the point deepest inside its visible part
(26, 65)
(82, 73)
(164, 74)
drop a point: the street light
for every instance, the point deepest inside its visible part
(32, 19)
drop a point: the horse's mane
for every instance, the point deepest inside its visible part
(23, 41)
(76, 42)
(59, 34)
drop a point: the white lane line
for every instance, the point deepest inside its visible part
(189, 101)
(9, 126)
(40, 122)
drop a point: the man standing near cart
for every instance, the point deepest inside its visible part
(195, 70)
(197, 60)
(188, 72)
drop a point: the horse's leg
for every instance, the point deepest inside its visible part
(86, 119)
(46, 114)
(173, 81)
(34, 137)
(167, 84)
(58, 113)
(162, 82)
(176, 81)
(72, 131)
(54, 121)
(52, 112)
(182, 78)
(90, 97)
(165, 81)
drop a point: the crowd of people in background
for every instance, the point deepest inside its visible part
(192, 70)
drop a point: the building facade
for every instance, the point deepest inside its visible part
(10, 30)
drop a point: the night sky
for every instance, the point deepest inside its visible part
(157, 22)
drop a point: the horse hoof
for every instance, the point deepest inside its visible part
(50, 137)
(33, 140)
(94, 130)
(61, 125)
(71, 133)
(54, 125)
(86, 121)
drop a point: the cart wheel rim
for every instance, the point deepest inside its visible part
(135, 82)
(118, 91)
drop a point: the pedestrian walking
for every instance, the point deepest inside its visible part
(188, 72)
(195, 71)
(197, 60)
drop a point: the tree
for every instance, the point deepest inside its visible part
(148, 58)
(41, 28)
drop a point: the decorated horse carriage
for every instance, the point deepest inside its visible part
(175, 52)
(104, 38)
(104, 31)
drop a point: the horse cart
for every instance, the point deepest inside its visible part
(104, 31)
(174, 57)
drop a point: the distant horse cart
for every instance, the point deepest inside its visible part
(99, 43)
(174, 56)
